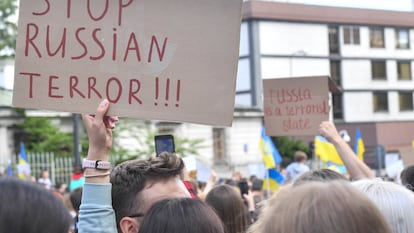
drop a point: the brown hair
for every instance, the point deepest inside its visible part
(299, 156)
(322, 207)
(129, 179)
(323, 175)
(229, 206)
(181, 215)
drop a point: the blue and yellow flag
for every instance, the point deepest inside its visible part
(326, 151)
(272, 180)
(270, 154)
(359, 147)
(23, 168)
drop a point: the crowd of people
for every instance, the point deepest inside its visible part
(157, 195)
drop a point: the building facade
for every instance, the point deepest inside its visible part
(368, 53)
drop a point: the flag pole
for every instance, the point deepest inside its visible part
(268, 183)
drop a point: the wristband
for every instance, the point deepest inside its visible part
(97, 164)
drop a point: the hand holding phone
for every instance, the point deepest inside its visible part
(164, 143)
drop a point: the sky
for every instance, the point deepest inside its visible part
(395, 5)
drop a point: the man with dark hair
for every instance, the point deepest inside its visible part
(136, 185)
(407, 177)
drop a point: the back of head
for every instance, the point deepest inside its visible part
(181, 215)
(129, 179)
(75, 198)
(257, 184)
(28, 208)
(394, 201)
(323, 175)
(229, 206)
(300, 156)
(322, 207)
(407, 177)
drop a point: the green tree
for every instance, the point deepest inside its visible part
(8, 28)
(41, 135)
(287, 147)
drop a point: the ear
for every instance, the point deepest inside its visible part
(129, 225)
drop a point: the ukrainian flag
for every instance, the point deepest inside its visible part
(23, 168)
(326, 151)
(359, 147)
(272, 180)
(270, 154)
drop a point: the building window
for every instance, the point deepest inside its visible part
(333, 40)
(404, 70)
(337, 106)
(351, 35)
(336, 72)
(378, 70)
(380, 101)
(218, 145)
(402, 39)
(406, 101)
(376, 36)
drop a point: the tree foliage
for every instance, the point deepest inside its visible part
(40, 135)
(8, 28)
(287, 147)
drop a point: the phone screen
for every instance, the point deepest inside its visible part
(244, 187)
(164, 143)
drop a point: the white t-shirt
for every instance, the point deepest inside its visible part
(46, 182)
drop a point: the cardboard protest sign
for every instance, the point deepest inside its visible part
(407, 155)
(170, 60)
(296, 106)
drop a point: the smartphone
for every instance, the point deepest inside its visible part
(244, 187)
(164, 143)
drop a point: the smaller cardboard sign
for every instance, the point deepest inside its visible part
(407, 155)
(296, 105)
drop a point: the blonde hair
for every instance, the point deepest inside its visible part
(321, 207)
(393, 200)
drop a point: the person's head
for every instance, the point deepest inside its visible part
(321, 207)
(77, 169)
(28, 208)
(44, 174)
(394, 201)
(181, 215)
(257, 185)
(138, 184)
(407, 177)
(323, 175)
(300, 156)
(75, 198)
(237, 176)
(228, 204)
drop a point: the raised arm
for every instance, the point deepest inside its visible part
(96, 212)
(356, 168)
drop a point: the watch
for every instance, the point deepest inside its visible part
(97, 164)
